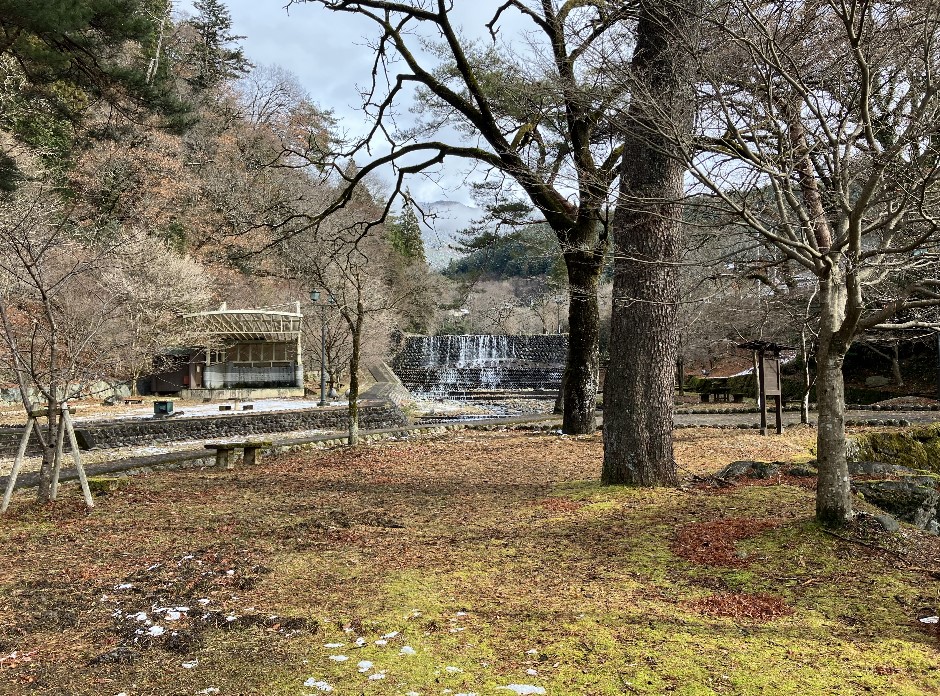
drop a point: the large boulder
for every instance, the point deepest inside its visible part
(917, 448)
(912, 499)
(749, 469)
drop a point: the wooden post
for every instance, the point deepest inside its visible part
(76, 457)
(17, 463)
(57, 465)
(779, 397)
(762, 393)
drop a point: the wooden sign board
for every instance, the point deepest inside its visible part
(772, 386)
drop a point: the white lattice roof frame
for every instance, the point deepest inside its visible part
(230, 325)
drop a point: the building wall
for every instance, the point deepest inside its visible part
(255, 364)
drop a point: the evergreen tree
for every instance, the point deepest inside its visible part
(404, 234)
(218, 56)
(61, 56)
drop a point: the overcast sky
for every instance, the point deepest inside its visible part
(328, 53)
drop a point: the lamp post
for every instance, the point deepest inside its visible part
(315, 298)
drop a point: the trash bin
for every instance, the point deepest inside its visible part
(162, 408)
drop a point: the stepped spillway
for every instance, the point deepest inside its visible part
(460, 365)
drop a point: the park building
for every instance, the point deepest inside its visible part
(241, 353)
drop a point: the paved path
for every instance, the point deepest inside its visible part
(793, 417)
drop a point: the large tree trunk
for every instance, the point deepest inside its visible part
(580, 380)
(638, 393)
(833, 492)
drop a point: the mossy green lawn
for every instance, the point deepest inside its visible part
(468, 563)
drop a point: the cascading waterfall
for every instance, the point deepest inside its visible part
(456, 365)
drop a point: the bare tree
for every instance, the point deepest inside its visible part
(819, 132)
(56, 313)
(155, 285)
(351, 269)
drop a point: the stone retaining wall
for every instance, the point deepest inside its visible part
(123, 433)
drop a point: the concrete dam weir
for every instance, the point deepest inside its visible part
(459, 366)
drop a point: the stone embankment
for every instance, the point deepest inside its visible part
(146, 431)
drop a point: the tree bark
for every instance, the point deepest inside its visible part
(805, 374)
(638, 394)
(833, 492)
(583, 361)
(44, 490)
(896, 364)
(353, 438)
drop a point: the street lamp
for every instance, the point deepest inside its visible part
(315, 298)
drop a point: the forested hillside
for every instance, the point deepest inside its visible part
(148, 169)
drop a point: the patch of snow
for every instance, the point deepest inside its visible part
(339, 658)
(210, 690)
(154, 566)
(231, 618)
(189, 664)
(377, 676)
(140, 616)
(360, 642)
(381, 641)
(412, 693)
(461, 613)
(124, 586)
(318, 684)
(523, 689)
(230, 572)
(334, 645)
(930, 619)
(531, 672)
(407, 650)
(173, 616)
(156, 631)
(364, 665)
(533, 651)
(204, 601)
(182, 609)
(389, 636)
(452, 669)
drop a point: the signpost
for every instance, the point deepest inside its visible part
(769, 383)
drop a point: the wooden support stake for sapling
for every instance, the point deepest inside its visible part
(76, 457)
(20, 454)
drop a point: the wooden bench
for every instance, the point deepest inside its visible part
(225, 451)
